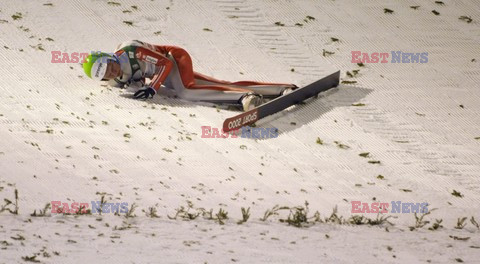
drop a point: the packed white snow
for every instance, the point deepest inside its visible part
(404, 132)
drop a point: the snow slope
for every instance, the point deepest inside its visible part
(66, 138)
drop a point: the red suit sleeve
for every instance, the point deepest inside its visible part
(164, 65)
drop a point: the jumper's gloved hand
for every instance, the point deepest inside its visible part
(145, 93)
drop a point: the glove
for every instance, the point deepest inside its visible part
(145, 93)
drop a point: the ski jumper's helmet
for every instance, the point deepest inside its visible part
(95, 65)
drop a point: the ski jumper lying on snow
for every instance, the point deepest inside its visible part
(171, 67)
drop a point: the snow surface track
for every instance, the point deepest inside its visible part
(66, 138)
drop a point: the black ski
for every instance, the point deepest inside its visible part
(280, 103)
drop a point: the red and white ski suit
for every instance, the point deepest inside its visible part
(161, 56)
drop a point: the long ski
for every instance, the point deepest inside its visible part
(282, 102)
